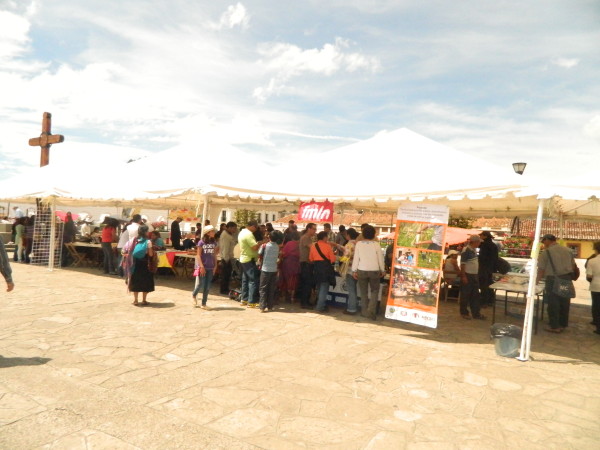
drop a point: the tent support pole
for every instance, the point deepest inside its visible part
(530, 307)
(52, 234)
(561, 219)
(204, 209)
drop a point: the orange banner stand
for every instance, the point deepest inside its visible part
(417, 263)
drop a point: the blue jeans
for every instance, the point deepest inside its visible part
(203, 285)
(322, 296)
(352, 295)
(109, 261)
(250, 277)
(120, 270)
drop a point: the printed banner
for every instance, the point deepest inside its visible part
(316, 212)
(417, 264)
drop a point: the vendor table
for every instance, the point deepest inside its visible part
(80, 258)
(180, 262)
(516, 283)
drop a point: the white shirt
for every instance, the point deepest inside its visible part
(86, 229)
(132, 230)
(368, 257)
(593, 270)
(123, 239)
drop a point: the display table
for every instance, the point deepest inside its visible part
(338, 296)
(516, 283)
(90, 257)
(180, 262)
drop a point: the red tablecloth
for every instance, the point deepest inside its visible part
(171, 256)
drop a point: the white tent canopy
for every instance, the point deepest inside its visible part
(378, 174)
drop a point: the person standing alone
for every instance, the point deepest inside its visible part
(488, 258)
(176, 233)
(469, 280)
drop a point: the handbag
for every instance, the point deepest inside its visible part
(261, 256)
(563, 287)
(502, 266)
(576, 273)
(153, 263)
(331, 274)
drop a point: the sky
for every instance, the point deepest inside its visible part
(504, 81)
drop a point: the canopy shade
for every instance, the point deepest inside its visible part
(415, 169)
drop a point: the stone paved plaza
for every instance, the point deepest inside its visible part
(82, 368)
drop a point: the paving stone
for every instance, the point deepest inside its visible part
(88, 439)
(82, 368)
(246, 422)
(315, 431)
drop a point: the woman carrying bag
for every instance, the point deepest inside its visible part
(322, 257)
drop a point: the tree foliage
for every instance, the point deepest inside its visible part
(243, 216)
(461, 222)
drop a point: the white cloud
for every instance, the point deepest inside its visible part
(567, 63)
(13, 35)
(503, 136)
(236, 15)
(287, 61)
(592, 127)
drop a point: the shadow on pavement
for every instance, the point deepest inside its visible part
(159, 305)
(18, 361)
(226, 308)
(574, 362)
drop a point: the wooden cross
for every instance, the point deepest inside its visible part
(46, 139)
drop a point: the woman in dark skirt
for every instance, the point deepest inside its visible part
(137, 253)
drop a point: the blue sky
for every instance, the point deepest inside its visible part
(504, 81)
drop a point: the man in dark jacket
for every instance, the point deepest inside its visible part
(488, 257)
(176, 233)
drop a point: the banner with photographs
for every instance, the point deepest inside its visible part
(417, 264)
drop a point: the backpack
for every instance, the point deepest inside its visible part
(502, 266)
(140, 249)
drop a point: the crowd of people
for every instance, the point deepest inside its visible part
(295, 266)
(472, 277)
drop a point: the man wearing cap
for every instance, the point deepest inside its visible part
(555, 261)
(488, 258)
(469, 279)
(176, 233)
(248, 257)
